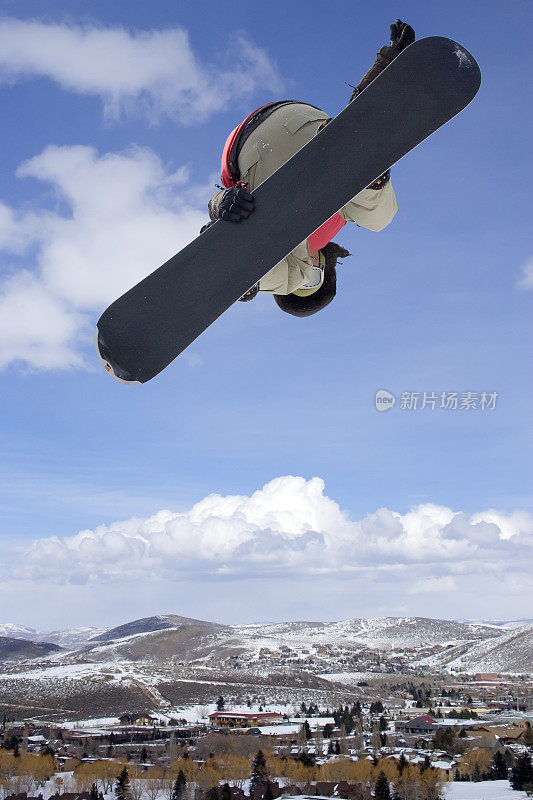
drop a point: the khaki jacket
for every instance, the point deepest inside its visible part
(269, 146)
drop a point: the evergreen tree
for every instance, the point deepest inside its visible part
(382, 789)
(269, 795)
(328, 730)
(522, 774)
(303, 708)
(509, 757)
(93, 794)
(337, 748)
(383, 724)
(144, 755)
(356, 709)
(402, 763)
(444, 739)
(377, 707)
(259, 771)
(220, 703)
(122, 785)
(331, 749)
(476, 774)
(305, 758)
(426, 765)
(179, 786)
(226, 792)
(307, 729)
(498, 768)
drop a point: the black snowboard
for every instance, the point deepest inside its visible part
(424, 87)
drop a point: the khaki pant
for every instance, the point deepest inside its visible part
(269, 146)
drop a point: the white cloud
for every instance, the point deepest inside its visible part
(515, 524)
(119, 216)
(153, 72)
(526, 281)
(288, 529)
(433, 584)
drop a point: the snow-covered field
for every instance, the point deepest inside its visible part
(482, 790)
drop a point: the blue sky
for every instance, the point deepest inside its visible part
(114, 116)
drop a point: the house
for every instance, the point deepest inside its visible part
(423, 724)
(37, 742)
(141, 718)
(234, 719)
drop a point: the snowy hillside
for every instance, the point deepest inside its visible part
(511, 651)
(381, 644)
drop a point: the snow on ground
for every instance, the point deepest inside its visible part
(279, 730)
(481, 790)
(64, 671)
(97, 722)
(347, 677)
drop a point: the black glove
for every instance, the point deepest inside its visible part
(382, 181)
(236, 204)
(250, 294)
(401, 35)
(206, 226)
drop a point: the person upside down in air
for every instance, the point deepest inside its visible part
(303, 282)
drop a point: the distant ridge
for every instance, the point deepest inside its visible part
(393, 643)
(12, 649)
(148, 625)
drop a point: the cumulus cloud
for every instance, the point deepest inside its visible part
(118, 216)
(155, 72)
(290, 528)
(526, 281)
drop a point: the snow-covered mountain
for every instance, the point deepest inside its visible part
(18, 631)
(71, 638)
(148, 625)
(511, 651)
(382, 633)
(390, 643)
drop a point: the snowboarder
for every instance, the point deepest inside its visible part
(303, 282)
(431, 81)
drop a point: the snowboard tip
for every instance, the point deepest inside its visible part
(103, 354)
